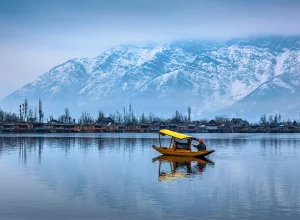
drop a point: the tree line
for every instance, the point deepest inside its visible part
(126, 116)
(274, 119)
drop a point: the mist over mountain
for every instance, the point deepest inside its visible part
(242, 77)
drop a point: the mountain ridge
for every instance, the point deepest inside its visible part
(213, 78)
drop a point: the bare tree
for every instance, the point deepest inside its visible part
(9, 117)
(21, 115)
(35, 114)
(221, 119)
(151, 117)
(143, 119)
(26, 109)
(271, 119)
(118, 117)
(30, 115)
(41, 113)
(2, 115)
(189, 114)
(112, 116)
(279, 118)
(177, 117)
(124, 115)
(276, 118)
(263, 119)
(85, 118)
(67, 116)
(130, 113)
(100, 116)
(134, 119)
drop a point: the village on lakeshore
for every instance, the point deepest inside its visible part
(235, 125)
(30, 121)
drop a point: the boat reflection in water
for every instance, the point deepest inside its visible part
(180, 167)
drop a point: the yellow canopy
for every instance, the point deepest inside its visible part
(174, 134)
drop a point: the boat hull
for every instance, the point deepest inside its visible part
(182, 152)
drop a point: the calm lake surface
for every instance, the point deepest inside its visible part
(114, 176)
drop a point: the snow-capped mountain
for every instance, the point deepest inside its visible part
(245, 77)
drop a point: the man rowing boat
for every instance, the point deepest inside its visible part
(200, 146)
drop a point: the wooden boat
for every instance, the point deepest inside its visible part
(175, 147)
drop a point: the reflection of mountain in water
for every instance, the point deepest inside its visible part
(180, 167)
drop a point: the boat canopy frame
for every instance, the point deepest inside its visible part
(174, 134)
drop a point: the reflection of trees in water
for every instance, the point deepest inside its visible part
(93, 184)
(22, 145)
(121, 144)
(277, 144)
(40, 149)
(25, 145)
(264, 142)
(29, 145)
(61, 143)
(22, 150)
(226, 143)
(125, 145)
(84, 144)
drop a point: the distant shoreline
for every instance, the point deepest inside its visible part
(235, 125)
(148, 132)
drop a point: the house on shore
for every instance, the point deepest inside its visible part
(145, 127)
(238, 125)
(17, 127)
(100, 128)
(202, 128)
(192, 128)
(132, 128)
(182, 128)
(225, 128)
(212, 126)
(88, 128)
(114, 128)
(8, 127)
(162, 125)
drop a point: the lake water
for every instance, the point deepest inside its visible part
(114, 176)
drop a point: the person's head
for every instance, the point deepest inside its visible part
(200, 141)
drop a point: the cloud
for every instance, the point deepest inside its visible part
(85, 28)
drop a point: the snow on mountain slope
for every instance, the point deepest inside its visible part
(209, 76)
(280, 94)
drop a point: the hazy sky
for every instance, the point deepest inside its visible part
(36, 35)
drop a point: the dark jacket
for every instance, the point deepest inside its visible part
(200, 146)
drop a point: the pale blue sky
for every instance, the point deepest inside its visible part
(36, 35)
